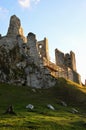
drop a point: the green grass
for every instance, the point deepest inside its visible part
(42, 118)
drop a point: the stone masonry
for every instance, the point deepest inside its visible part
(25, 61)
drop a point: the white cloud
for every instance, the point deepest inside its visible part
(24, 3)
(27, 3)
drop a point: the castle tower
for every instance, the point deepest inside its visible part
(43, 50)
(73, 62)
(59, 58)
(31, 44)
(70, 60)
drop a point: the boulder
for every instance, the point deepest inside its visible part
(74, 111)
(34, 90)
(30, 106)
(50, 107)
(63, 104)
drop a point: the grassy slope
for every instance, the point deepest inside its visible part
(41, 118)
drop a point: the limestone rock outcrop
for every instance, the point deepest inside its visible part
(20, 62)
(14, 27)
(25, 61)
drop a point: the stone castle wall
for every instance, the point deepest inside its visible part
(25, 61)
(65, 63)
(43, 49)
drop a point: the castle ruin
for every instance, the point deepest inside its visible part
(65, 64)
(25, 61)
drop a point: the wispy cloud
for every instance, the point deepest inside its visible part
(3, 12)
(36, 1)
(27, 3)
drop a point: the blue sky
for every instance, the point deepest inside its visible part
(63, 22)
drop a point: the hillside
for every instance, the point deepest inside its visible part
(41, 117)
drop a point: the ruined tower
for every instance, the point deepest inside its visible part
(43, 50)
(24, 60)
(67, 59)
(70, 60)
(59, 58)
(31, 44)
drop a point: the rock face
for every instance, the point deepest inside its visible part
(19, 59)
(14, 27)
(25, 61)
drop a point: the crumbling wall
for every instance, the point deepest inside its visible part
(20, 62)
(31, 44)
(76, 77)
(67, 66)
(43, 50)
(59, 57)
(70, 60)
(25, 61)
(72, 55)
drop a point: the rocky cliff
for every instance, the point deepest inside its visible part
(19, 59)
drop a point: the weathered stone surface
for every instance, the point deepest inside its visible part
(31, 42)
(50, 107)
(63, 103)
(74, 111)
(34, 90)
(22, 59)
(14, 27)
(30, 106)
